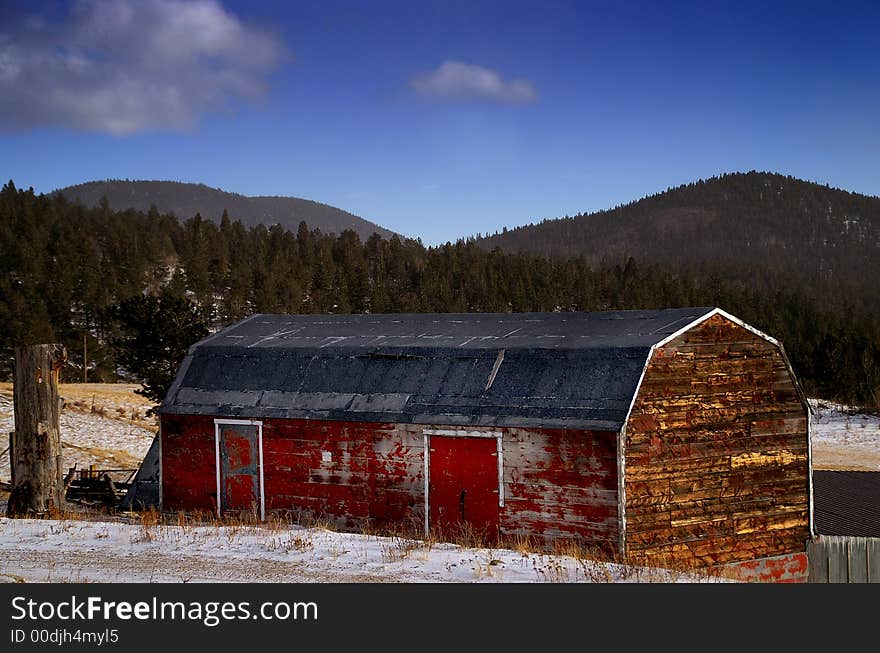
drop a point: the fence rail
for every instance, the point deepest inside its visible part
(840, 559)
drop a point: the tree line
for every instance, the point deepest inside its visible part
(128, 291)
(822, 241)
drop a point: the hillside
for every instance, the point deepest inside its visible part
(69, 273)
(805, 233)
(185, 200)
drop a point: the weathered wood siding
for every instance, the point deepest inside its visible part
(716, 452)
(350, 473)
(188, 469)
(561, 484)
(557, 483)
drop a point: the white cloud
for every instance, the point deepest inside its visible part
(125, 66)
(455, 80)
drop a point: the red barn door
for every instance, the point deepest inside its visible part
(463, 486)
(239, 478)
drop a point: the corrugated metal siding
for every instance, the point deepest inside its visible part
(847, 503)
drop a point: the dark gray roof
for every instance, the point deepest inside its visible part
(557, 370)
(846, 503)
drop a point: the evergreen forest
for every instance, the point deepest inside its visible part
(127, 291)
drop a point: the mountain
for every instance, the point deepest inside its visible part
(82, 276)
(185, 200)
(733, 225)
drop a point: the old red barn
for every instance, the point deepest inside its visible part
(671, 437)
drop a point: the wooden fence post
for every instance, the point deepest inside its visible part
(36, 464)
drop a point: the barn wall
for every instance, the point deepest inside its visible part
(557, 483)
(375, 472)
(716, 452)
(189, 466)
(561, 484)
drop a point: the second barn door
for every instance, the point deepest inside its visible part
(463, 486)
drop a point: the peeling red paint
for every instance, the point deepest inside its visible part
(557, 483)
(790, 568)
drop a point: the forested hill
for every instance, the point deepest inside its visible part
(810, 234)
(94, 279)
(185, 200)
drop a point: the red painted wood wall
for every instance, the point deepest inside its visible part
(557, 483)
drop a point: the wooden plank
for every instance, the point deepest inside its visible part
(670, 469)
(744, 516)
(742, 437)
(838, 561)
(721, 549)
(768, 458)
(716, 379)
(553, 511)
(734, 343)
(717, 451)
(873, 559)
(683, 370)
(563, 493)
(818, 561)
(656, 504)
(744, 480)
(602, 530)
(857, 552)
(723, 476)
(681, 447)
(843, 559)
(773, 521)
(723, 417)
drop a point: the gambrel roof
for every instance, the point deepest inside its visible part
(554, 370)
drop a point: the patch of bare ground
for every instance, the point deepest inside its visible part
(102, 425)
(116, 401)
(841, 457)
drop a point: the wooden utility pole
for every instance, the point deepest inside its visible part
(38, 486)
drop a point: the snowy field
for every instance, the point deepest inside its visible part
(125, 549)
(86, 439)
(844, 438)
(108, 551)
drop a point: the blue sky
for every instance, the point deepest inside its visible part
(439, 120)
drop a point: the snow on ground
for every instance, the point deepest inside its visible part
(844, 438)
(86, 439)
(96, 551)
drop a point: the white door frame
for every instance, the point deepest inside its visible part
(460, 433)
(249, 422)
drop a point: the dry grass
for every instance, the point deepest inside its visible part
(117, 401)
(562, 561)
